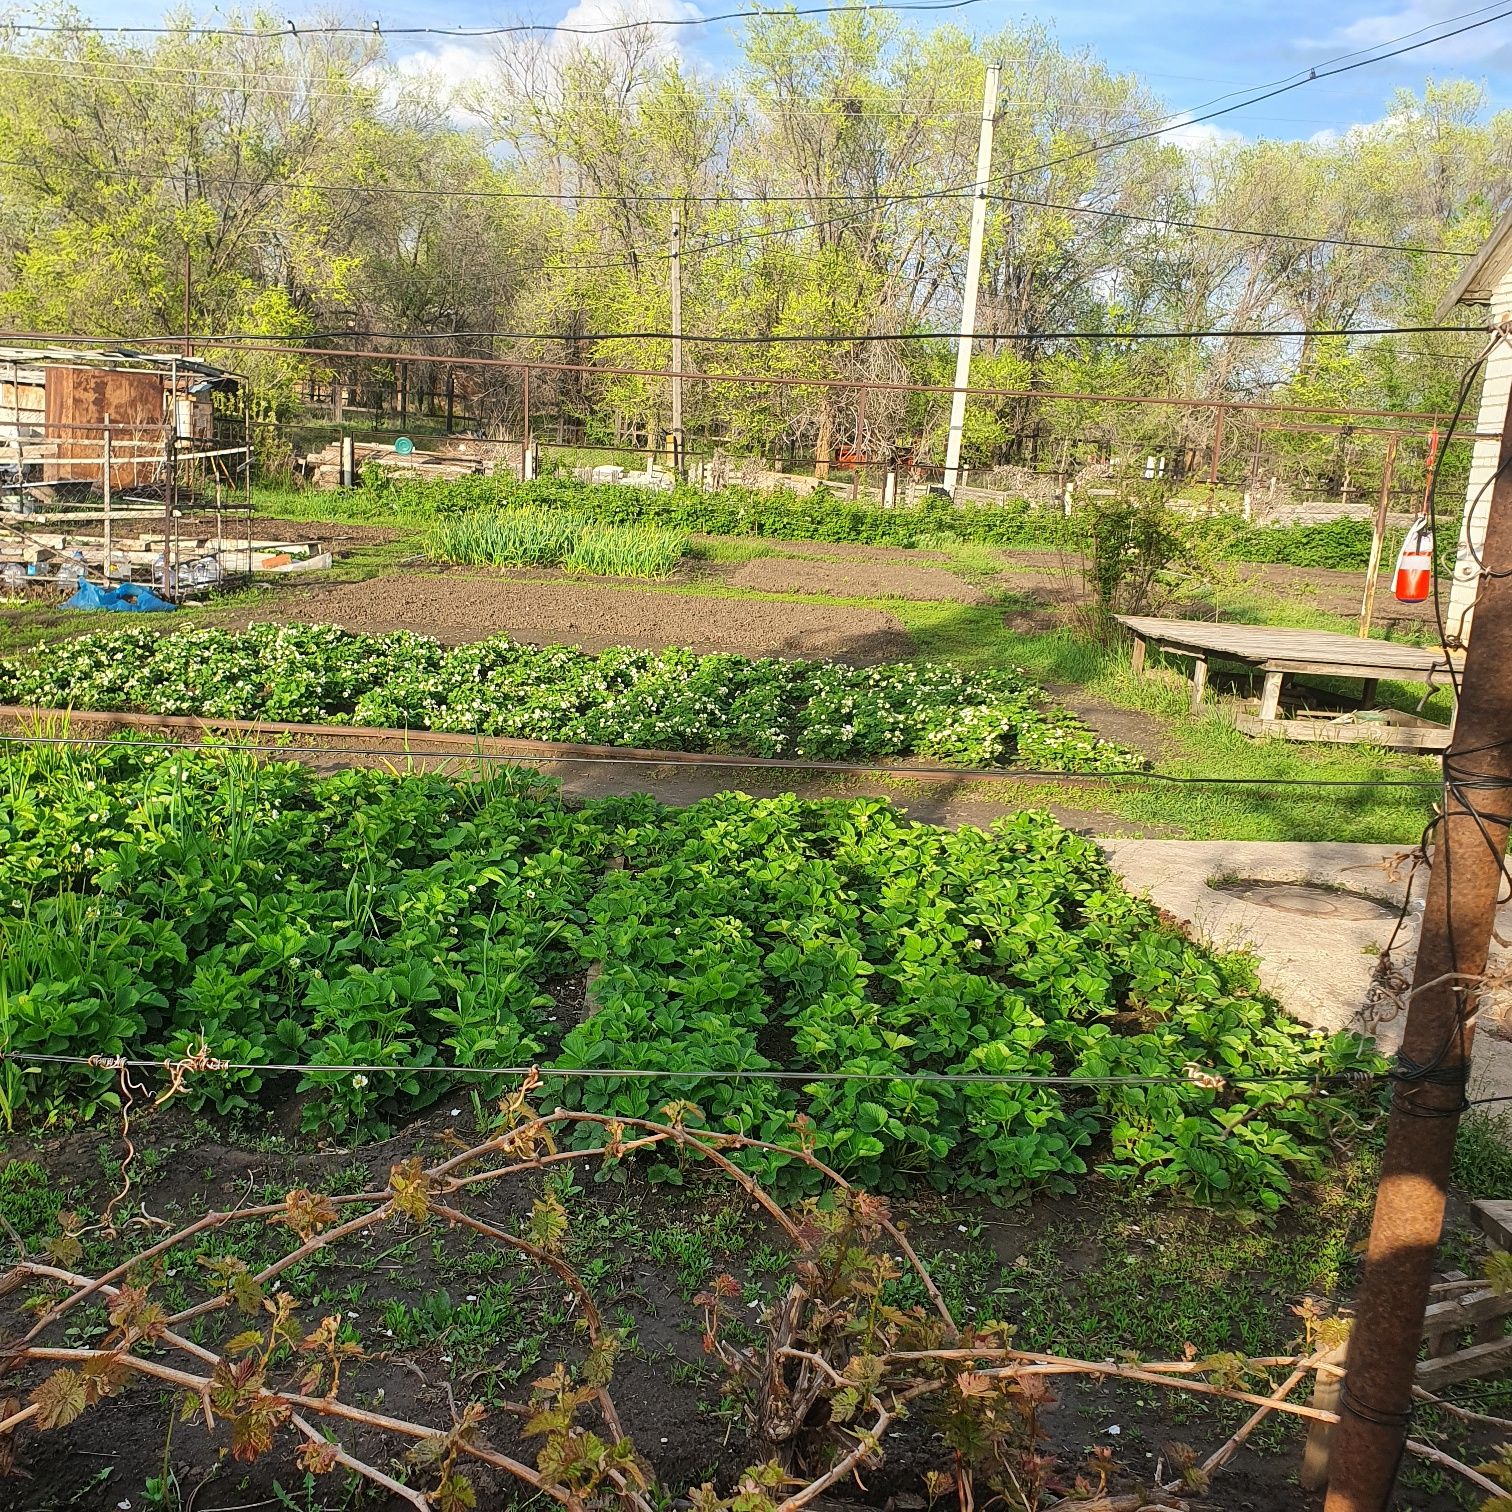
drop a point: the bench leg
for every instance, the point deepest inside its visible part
(1199, 682)
(1270, 698)
(1368, 693)
(1137, 657)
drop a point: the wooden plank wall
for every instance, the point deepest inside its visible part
(78, 400)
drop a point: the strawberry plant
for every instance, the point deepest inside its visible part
(660, 700)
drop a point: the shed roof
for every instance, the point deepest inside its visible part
(1483, 272)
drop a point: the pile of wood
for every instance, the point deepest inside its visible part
(458, 457)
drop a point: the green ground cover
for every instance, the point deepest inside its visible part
(821, 515)
(151, 895)
(668, 700)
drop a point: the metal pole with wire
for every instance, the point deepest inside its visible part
(1433, 1071)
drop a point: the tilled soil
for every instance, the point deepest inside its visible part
(457, 608)
(843, 551)
(855, 579)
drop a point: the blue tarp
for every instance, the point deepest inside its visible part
(128, 597)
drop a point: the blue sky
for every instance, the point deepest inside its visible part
(1188, 51)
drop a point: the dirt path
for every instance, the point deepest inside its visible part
(544, 609)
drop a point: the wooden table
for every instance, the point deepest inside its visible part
(1278, 652)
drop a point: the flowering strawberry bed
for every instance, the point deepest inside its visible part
(663, 700)
(389, 926)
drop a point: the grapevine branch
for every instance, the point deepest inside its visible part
(832, 1341)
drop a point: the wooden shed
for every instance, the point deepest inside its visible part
(57, 409)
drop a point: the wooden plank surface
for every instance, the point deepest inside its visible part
(1317, 732)
(1280, 648)
(1465, 1365)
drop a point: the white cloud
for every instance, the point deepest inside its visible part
(1413, 22)
(455, 65)
(1201, 136)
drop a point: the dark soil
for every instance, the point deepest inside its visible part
(544, 610)
(854, 579)
(644, 1250)
(838, 551)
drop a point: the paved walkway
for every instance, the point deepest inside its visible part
(1318, 920)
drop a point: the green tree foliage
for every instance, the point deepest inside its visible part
(312, 185)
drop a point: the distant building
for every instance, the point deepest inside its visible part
(55, 406)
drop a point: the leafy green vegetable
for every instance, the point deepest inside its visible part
(151, 895)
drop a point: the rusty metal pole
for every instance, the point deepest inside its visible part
(1425, 1113)
(1377, 538)
(1218, 420)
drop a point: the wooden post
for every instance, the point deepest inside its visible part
(1217, 446)
(451, 397)
(1314, 1473)
(1137, 656)
(1378, 537)
(1433, 1065)
(1270, 698)
(403, 396)
(1199, 682)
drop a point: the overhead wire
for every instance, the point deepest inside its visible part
(1198, 1079)
(376, 29)
(1342, 63)
(573, 197)
(829, 338)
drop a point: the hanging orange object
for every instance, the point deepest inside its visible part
(1413, 581)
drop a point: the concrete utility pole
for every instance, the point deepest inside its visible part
(1452, 945)
(677, 352)
(973, 278)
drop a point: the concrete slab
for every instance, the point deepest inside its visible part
(1318, 917)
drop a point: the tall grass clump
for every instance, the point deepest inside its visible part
(641, 551)
(555, 538)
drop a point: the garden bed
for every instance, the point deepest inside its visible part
(152, 896)
(458, 607)
(673, 701)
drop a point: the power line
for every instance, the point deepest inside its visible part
(567, 196)
(1172, 123)
(1351, 1079)
(376, 29)
(809, 338)
(1188, 118)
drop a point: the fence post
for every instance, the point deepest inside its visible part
(1378, 537)
(525, 426)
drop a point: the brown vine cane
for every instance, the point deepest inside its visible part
(523, 1144)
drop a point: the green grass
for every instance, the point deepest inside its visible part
(1206, 746)
(1483, 1155)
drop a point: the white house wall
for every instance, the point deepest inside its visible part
(1493, 413)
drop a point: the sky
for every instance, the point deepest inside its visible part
(1188, 51)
